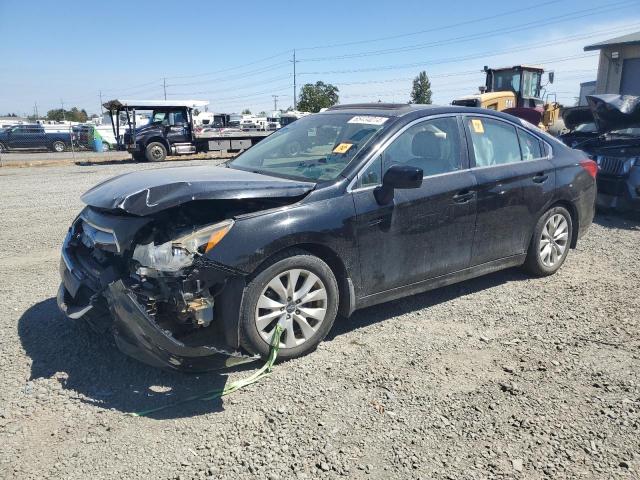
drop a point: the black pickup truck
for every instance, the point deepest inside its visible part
(34, 137)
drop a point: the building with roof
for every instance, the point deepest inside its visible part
(619, 65)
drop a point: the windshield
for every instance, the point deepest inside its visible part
(316, 147)
(504, 80)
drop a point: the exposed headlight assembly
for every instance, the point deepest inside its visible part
(177, 254)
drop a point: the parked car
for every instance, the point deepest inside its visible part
(192, 266)
(609, 132)
(34, 137)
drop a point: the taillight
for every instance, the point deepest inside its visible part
(590, 166)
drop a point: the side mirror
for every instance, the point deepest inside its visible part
(551, 76)
(398, 176)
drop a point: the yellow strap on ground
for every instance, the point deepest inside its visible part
(232, 387)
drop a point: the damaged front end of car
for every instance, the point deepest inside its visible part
(150, 278)
(161, 297)
(608, 131)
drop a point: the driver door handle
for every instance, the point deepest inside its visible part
(464, 196)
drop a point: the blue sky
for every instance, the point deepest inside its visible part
(237, 54)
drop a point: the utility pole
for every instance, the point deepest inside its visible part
(275, 102)
(63, 116)
(164, 86)
(295, 100)
(35, 108)
(100, 95)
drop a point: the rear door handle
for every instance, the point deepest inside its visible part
(464, 196)
(540, 177)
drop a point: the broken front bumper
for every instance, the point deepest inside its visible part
(138, 336)
(136, 333)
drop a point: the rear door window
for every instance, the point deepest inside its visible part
(494, 142)
(529, 146)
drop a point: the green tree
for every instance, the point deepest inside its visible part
(73, 115)
(246, 111)
(421, 91)
(315, 97)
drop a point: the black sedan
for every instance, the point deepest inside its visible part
(193, 267)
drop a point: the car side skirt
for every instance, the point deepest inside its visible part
(441, 281)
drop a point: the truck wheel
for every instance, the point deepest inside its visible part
(58, 146)
(155, 152)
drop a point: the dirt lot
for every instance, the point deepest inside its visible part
(503, 376)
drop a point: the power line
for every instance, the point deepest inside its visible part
(480, 35)
(233, 68)
(435, 29)
(226, 78)
(491, 53)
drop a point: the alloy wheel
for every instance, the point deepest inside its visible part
(297, 300)
(553, 241)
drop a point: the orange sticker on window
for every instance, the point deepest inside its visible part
(477, 125)
(343, 148)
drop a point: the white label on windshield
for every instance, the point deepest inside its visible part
(368, 120)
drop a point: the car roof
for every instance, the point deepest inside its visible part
(412, 110)
(394, 109)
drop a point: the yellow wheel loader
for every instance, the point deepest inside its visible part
(516, 90)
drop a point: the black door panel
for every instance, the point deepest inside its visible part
(423, 233)
(510, 198)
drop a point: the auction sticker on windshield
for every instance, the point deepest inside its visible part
(343, 148)
(368, 120)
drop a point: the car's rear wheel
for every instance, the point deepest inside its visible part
(550, 242)
(297, 290)
(155, 152)
(58, 147)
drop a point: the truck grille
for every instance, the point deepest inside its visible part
(611, 165)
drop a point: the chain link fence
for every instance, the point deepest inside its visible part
(51, 142)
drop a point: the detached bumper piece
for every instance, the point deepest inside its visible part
(138, 336)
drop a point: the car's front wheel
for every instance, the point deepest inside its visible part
(296, 290)
(550, 242)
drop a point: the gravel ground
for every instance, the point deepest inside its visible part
(503, 376)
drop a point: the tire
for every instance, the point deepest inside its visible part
(105, 147)
(3, 149)
(138, 157)
(256, 336)
(58, 146)
(155, 152)
(557, 239)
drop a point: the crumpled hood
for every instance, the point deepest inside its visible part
(614, 112)
(149, 191)
(575, 116)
